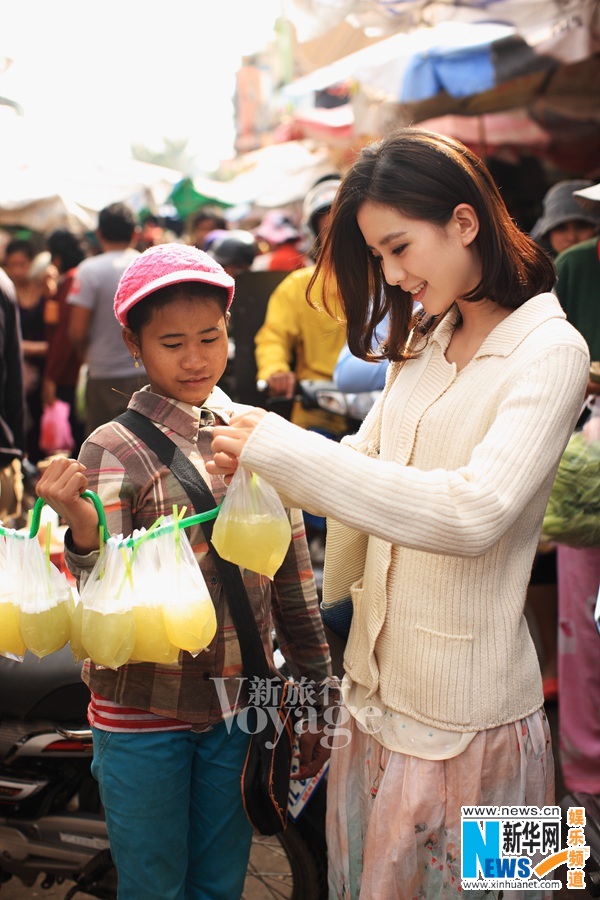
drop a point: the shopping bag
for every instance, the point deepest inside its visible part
(252, 528)
(55, 428)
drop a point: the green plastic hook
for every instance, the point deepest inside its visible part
(169, 526)
(130, 542)
(40, 503)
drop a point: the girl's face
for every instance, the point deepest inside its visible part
(184, 349)
(435, 264)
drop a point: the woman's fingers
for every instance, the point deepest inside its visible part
(228, 442)
(249, 419)
(222, 464)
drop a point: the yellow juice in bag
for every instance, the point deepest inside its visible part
(47, 631)
(108, 637)
(10, 636)
(255, 542)
(77, 649)
(191, 625)
(152, 642)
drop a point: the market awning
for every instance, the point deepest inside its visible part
(455, 62)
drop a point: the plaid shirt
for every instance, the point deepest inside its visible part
(136, 488)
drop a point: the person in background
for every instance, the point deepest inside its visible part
(200, 223)
(578, 282)
(449, 478)
(33, 289)
(113, 375)
(563, 224)
(283, 240)
(152, 232)
(64, 361)
(168, 749)
(297, 340)
(353, 375)
(234, 249)
(12, 406)
(578, 289)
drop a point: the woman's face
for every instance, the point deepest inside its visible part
(570, 233)
(435, 264)
(184, 348)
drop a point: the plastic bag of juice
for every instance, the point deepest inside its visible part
(11, 642)
(45, 599)
(189, 614)
(150, 590)
(77, 649)
(252, 528)
(107, 617)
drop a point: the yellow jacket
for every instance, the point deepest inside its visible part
(296, 337)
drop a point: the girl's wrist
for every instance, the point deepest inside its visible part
(84, 529)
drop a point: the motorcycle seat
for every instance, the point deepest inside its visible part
(47, 688)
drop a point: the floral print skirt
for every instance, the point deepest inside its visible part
(393, 820)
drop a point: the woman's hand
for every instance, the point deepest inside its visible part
(61, 486)
(229, 441)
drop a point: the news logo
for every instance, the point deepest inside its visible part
(516, 847)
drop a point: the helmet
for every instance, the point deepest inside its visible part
(319, 200)
(234, 248)
(211, 237)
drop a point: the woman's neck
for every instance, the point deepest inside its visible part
(477, 320)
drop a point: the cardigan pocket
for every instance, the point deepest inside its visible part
(356, 594)
(444, 676)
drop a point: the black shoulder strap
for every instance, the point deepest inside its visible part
(253, 652)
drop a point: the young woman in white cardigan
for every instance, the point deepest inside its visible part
(448, 477)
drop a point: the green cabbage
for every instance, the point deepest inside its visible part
(573, 513)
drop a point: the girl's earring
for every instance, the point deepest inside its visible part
(136, 361)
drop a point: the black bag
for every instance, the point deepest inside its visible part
(265, 778)
(266, 774)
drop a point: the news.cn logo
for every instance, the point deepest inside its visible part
(516, 847)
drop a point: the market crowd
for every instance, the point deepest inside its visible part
(67, 373)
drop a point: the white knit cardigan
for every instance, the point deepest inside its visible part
(453, 505)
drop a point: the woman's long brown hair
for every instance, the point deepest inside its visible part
(424, 176)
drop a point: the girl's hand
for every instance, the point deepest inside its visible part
(229, 441)
(61, 486)
(315, 750)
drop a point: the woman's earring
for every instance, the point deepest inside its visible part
(136, 361)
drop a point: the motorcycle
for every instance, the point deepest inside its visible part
(51, 820)
(325, 395)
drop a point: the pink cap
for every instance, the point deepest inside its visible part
(166, 264)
